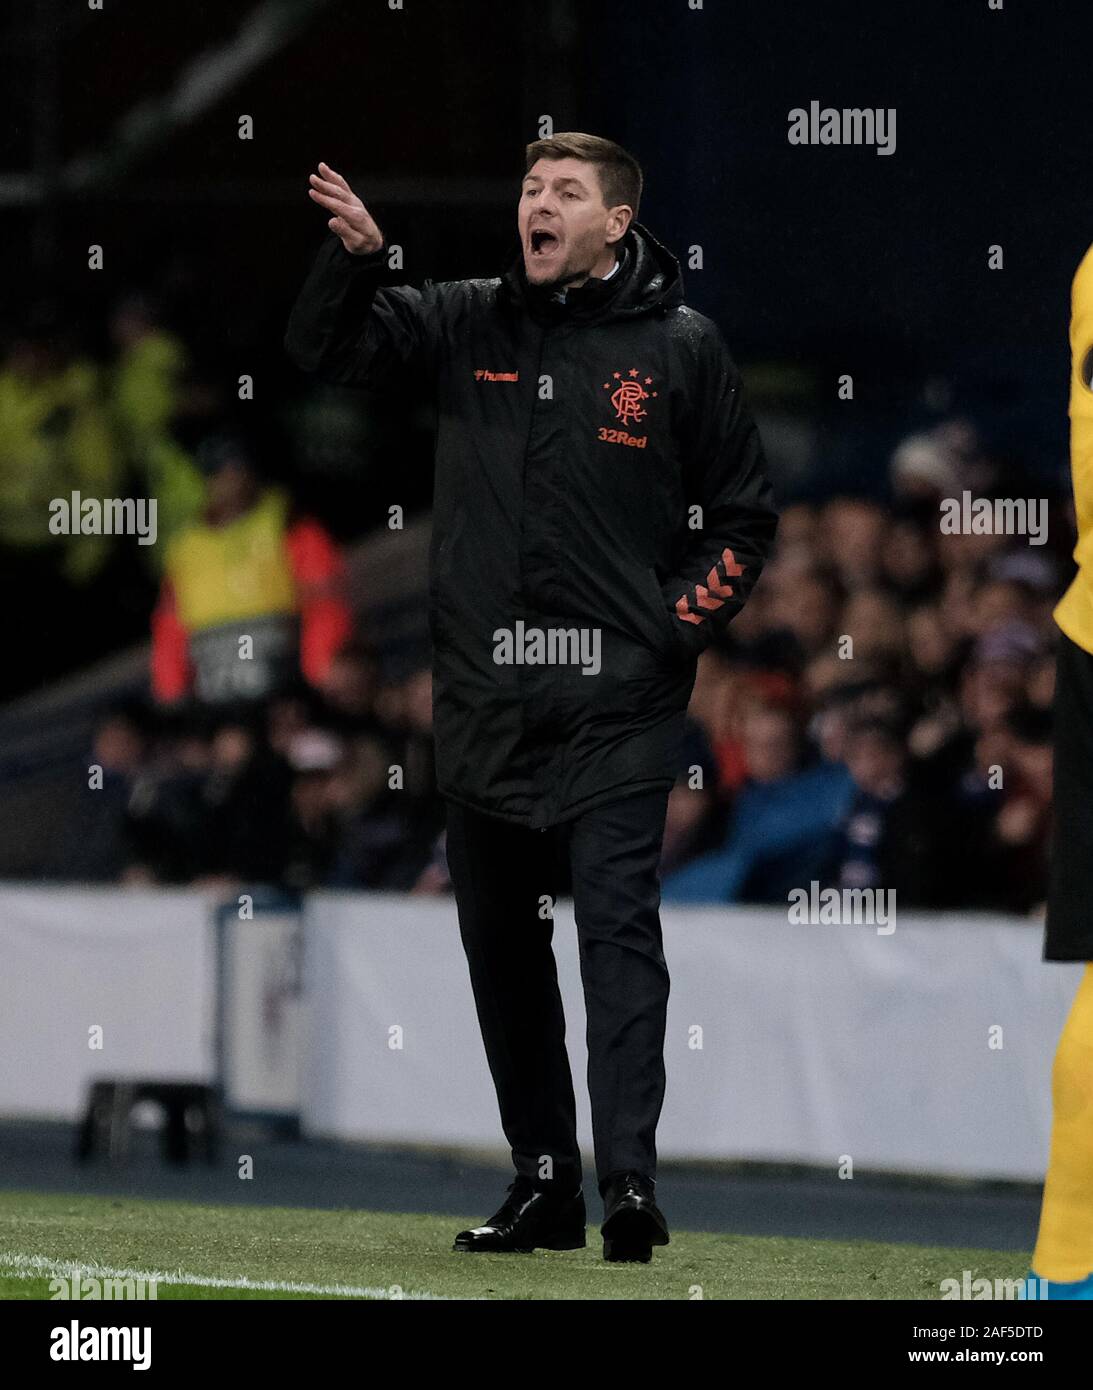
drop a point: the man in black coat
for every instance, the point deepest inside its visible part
(601, 511)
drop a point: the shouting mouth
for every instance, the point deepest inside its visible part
(543, 244)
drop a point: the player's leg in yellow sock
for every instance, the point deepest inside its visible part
(1064, 1247)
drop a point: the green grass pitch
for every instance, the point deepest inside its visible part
(286, 1252)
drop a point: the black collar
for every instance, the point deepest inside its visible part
(580, 299)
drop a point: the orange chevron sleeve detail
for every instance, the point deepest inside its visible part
(713, 580)
(684, 614)
(728, 559)
(712, 595)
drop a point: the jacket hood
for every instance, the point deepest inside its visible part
(649, 279)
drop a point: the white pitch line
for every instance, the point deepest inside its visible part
(38, 1266)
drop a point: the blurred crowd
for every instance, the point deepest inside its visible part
(77, 423)
(330, 786)
(882, 718)
(879, 715)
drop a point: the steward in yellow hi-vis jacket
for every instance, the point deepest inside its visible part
(1064, 1246)
(246, 572)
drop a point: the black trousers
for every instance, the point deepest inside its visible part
(506, 879)
(1068, 931)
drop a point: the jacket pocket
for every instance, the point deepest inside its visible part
(669, 645)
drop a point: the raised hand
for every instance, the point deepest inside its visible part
(352, 221)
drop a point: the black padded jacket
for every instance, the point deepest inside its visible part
(601, 510)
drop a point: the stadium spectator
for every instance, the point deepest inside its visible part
(251, 597)
(313, 755)
(98, 844)
(149, 389)
(55, 440)
(168, 819)
(246, 800)
(383, 839)
(854, 532)
(349, 688)
(890, 837)
(783, 825)
(693, 803)
(1019, 834)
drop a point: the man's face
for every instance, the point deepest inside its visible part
(876, 763)
(769, 745)
(232, 489)
(566, 231)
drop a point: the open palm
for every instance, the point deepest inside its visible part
(352, 221)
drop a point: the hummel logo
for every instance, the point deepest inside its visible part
(481, 374)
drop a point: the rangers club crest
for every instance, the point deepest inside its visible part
(628, 394)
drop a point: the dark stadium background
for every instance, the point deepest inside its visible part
(818, 261)
(834, 258)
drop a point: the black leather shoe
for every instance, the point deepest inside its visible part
(528, 1220)
(633, 1223)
